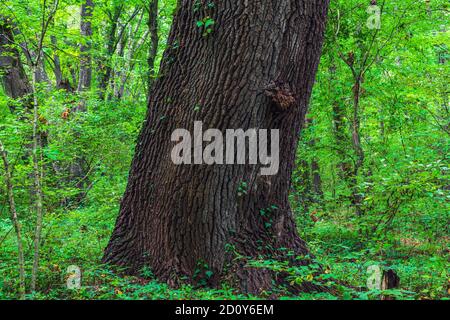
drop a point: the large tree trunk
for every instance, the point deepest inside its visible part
(14, 80)
(187, 221)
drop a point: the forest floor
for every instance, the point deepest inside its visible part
(78, 238)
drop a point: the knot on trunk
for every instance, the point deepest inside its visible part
(281, 95)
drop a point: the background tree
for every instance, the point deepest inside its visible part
(85, 78)
(15, 82)
(14, 219)
(154, 39)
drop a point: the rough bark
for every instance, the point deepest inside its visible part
(183, 221)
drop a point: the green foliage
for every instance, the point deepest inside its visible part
(242, 188)
(403, 183)
(206, 24)
(197, 108)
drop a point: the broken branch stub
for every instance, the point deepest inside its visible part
(280, 94)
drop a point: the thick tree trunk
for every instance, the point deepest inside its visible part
(14, 80)
(190, 220)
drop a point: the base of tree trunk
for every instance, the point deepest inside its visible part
(279, 244)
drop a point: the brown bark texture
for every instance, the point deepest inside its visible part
(191, 221)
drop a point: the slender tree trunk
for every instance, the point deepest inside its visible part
(110, 49)
(77, 171)
(57, 63)
(135, 45)
(41, 74)
(340, 135)
(357, 148)
(85, 77)
(73, 75)
(17, 86)
(37, 187)
(61, 82)
(191, 220)
(304, 188)
(316, 179)
(15, 220)
(154, 39)
(122, 69)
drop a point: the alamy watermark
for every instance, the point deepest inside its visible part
(374, 20)
(73, 281)
(228, 148)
